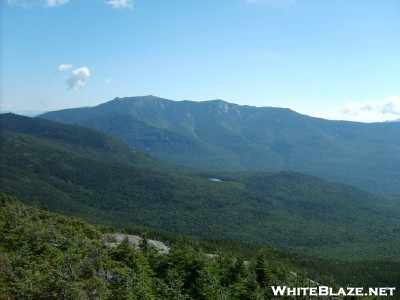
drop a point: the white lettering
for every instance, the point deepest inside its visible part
(359, 291)
(373, 291)
(313, 291)
(278, 290)
(391, 290)
(341, 292)
(291, 291)
(323, 291)
(303, 291)
(382, 292)
(328, 291)
(350, 291)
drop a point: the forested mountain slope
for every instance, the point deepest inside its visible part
(49, 256)
(225, 136)
(84, 141)
(290, 210)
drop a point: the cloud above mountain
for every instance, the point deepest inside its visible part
(388, 106)
(78, 78)
(387, 109)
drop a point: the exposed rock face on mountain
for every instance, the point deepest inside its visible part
(225, 136)
(114, 239)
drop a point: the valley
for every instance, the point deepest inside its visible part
(292, 210)
(336, 232)
(199, 150)
(218, 135)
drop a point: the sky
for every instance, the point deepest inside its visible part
(331, 59)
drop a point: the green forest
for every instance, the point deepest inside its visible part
(217, 135)
(285, 209)
(232, 235)
(49, 256)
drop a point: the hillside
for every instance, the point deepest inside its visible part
(290, 210)
(85, 268)
(49, 256)
(85, 142)
(218, 135)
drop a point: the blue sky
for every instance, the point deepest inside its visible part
(334, 59)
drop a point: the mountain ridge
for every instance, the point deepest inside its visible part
(286, 209)
(223, 136)
(88, 142)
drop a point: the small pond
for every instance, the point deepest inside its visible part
(215, 179)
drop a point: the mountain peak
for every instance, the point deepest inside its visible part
(220, 135)
(138, 98)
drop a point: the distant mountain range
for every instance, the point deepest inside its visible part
(217, 135)
(75, 170)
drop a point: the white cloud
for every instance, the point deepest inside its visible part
(63, 68)
(119, 4)
(34, 3)
(78, 78)
(54, 3)
(389, 106)
(21, 3)
(364, 111)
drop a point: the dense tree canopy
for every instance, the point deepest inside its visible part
(49, 256)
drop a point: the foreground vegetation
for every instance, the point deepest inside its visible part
(77, 171)
(48, 256)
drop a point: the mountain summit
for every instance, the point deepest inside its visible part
(224, 136)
